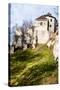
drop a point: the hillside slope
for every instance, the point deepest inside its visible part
(33, 67)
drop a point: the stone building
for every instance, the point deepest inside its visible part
(43, 27)
(42, 30)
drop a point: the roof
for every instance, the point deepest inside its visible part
(44, 17)
(41, 18)
(50, 15)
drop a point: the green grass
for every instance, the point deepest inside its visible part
(33, 67)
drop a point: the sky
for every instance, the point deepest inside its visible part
(21, 12)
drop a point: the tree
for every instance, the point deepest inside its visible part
(23, 29)
(25, 26)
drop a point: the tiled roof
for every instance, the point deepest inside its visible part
(41, 17)
(44, 16)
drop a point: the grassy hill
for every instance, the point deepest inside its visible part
(33, 67)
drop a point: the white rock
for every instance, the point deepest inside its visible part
(56, 49)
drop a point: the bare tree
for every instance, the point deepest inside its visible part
(25, 26)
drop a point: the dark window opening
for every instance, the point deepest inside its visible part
(41, 23)
(51, 20)
(50, 25)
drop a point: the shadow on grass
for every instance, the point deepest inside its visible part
(27, 55)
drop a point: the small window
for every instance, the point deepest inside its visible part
(50, 25)
(51, 20)
(41, 23)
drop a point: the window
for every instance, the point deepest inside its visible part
(51, 20)
(50, 25)
(41, 23)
